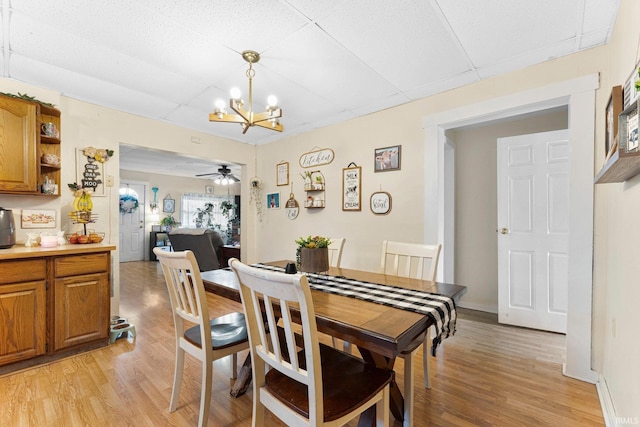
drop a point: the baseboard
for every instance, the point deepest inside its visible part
(606, 403)
(489, 308)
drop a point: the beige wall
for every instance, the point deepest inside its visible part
(476, 242)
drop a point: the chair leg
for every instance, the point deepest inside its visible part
(426, 359)
(408, 389)
(205, 393)
(346, 345)
(177, 378)
(382, 409)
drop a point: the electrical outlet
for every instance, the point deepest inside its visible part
(109, 180)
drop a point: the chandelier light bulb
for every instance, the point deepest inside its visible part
(219, 104)
(272, 101)
(235, 93)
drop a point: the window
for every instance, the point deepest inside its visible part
(192, 203)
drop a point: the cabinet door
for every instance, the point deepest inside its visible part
(23, 319)
(18, 172)
(81, 309)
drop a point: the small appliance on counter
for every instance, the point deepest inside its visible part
(7, 229)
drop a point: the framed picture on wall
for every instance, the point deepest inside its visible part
(168, 205)
(351, 188)
(613, 110)
(273, 201)
(387, 158)
(282, 173)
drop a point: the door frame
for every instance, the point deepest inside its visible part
(579, 95)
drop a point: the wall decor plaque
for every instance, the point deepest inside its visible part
(292, 207)
(380, 203)
(351, 187)
(322, 156)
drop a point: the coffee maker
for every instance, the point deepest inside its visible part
(7, 229)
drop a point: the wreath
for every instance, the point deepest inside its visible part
(128, 203)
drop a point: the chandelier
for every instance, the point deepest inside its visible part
(246, 117)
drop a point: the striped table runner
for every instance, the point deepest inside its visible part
(441, 309)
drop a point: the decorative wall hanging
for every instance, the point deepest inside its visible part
(631, 89)
(154, 205)
(208, 189)
(128, 204)
(387, 158)
(39, 218)
(282, 173)
(255, 194)
(90, 171)
(292, 207)
(273, 201)
(322, 156)
(613, 110)
(380, 203)
(314, 186)
(168, 204)
(351, 187)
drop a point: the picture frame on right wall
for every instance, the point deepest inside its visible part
(613, 110)
(387, 158)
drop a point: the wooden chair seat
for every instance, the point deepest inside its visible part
(226, 331)
(346, 383)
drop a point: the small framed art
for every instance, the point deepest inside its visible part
(351, 188)
(387, 158)
(380, 203)
(208, 189)
(282, 174)
(168, 205)
(40, 218)
(613, 110)
(273, 201)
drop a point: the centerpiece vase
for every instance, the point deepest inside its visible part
(314, 260)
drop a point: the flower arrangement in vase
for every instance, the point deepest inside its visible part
(312, 254)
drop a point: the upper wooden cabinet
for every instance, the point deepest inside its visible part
(23, 144)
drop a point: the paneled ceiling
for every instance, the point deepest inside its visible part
(326, 60)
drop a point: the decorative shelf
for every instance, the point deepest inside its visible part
(315, 190)
(619, 168)
(44, 139)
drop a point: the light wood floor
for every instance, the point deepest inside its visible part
(486, 375)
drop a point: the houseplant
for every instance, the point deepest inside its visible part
(312, 254)
(204, 217)
(168, 222)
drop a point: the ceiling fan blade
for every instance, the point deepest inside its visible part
(208, 174)
(233, 178)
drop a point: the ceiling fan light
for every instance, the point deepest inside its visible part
(217, 181)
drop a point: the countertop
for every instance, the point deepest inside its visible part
(21, 251)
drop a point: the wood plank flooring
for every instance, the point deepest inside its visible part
(486, 375)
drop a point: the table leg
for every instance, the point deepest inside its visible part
(396, 401)
(244, 379)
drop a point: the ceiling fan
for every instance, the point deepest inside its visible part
(223, 176)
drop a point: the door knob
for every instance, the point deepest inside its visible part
(504, 230)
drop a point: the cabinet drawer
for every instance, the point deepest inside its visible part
(23, 270)
(74, 265)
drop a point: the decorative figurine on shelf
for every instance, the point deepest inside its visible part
(33, 240)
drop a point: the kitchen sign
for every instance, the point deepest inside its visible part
(319, 157)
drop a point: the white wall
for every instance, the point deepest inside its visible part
(476, 242)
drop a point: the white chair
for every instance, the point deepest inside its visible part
(318, 386)
(209, 340)
(335, 258)
(408, 260)
(335, 252)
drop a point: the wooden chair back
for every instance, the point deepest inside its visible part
(335, 252)
(409, 259)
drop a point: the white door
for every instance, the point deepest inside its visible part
(533, 230)
(132, 224)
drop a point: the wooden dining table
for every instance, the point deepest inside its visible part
(380, 332)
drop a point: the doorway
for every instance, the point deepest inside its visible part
(579, 96)
(132, 220)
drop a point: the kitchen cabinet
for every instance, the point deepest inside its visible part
(22, 310)
(29, 157)
(53, 302)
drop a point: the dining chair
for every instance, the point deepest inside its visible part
(316, 386)
(209, 339)
(335, 252)
(408, 260)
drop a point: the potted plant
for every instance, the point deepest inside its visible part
(204, 217)
(312, 254)
(168, 222)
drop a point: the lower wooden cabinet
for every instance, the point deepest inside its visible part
(81, 310)
(53, 303)
(23, 316)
